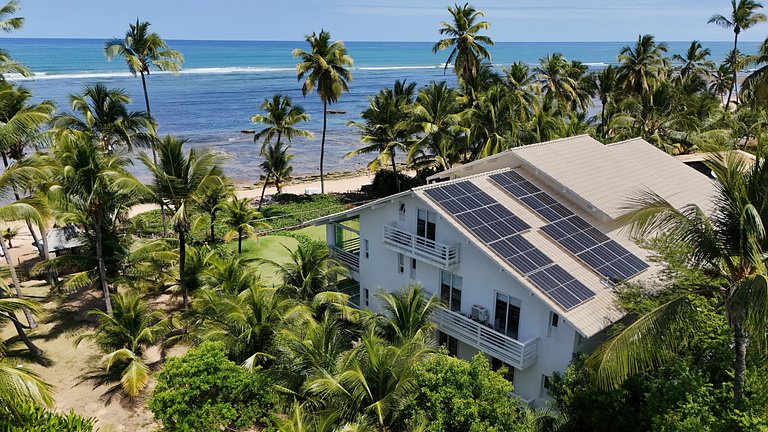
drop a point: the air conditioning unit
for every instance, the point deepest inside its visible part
(479, 314)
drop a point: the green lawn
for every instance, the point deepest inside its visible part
(268, 247)
(313, 232)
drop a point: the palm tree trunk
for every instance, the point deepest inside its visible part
(322, 146)
(733, 83)
(394, 170)
(51, 275)
(740, 366)
(263, 189)
(101, 265)
(33, 349)
(154, 154)
(15, 280)
(182, 259)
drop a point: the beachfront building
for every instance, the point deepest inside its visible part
(523, 247)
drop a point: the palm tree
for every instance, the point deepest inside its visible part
(642, 67)
(92, 188)
(744, 15)
(20, 125)
(8, 308)
(386, 126)
(553, 75)
(8, 24)
(277, 167)
(491, 121)
(730, 244)
(310, 270)
(125, 335)
(467, 45)
(181, 181)
(605, 85)
(695, 62)
(437, 111)
(280, 116)
(210, 204)
(103, 112)
(324, 69)
(141, 51)
(19, 385)
(721, 81)
(408, 315)
(242, 218)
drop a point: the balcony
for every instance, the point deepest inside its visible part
(519, 355)
(348, 252)
(420, 248)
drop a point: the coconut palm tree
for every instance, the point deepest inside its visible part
(10, 23)
(277, 168)
(408, 315)
(310, 270)
(280, 118)
(210, 204)
(94, 189)
(19, 385)
(642, 66)
(695, 62)
(103, 112)
(8, 308)
(124, 336)
(181, 181)
(143, 51)
(552, 73)
(436, 110)
(467, 50)
(324, 70)
(242, 219)
(492, 121)
(721, 80)
(386, 126)
(744, 15)
(730, 243)
(605, 85)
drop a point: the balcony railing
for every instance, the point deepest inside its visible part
(517, 354)
(423, 249)
(350, 258)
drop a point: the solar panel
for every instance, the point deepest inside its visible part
(605, 256)
(500, 229)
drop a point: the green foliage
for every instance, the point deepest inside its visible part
(290, 210)
(384, 185)
(204, 391)
(34, 418)
(458, 396)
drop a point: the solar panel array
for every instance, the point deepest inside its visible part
(590, 245)
(499, 228)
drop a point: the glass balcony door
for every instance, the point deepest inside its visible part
(507, 315)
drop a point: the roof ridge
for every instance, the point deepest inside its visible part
(456, 180)
(550, 142)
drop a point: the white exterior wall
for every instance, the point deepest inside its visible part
(482, 278)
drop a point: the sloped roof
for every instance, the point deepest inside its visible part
(63, 238)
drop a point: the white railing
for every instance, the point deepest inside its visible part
(511, 351)
(423, 249)
(348, 258)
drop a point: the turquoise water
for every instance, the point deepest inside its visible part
(224, 82)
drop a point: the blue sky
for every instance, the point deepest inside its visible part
(413, 20)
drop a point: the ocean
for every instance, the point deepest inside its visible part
(223, 83)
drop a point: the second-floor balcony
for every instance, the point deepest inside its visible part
(519, 355)
(348, 252)
(423, 249)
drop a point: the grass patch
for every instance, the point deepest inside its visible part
(268, 247)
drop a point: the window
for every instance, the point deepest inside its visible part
(506, 318)
(413, 268)
(401, 210)
(425, 224)
(450, 291)
(365, 244)
(545, 385)
(401, 263)
(367, 296)
(449, 342)
(554, 321)
(497, 364)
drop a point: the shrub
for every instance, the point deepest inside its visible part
(457, 396)
(204, 391)
(34, 418)
(384, 185)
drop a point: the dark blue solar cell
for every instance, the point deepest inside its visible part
(500, 211)
(544, 281)
(520, 243)
(538, 257)
(485, 215)
(603, 252)
(554, 232)
(559, 274)
(523, 264)
(597, 235)
(562, 210)
(452, 206)
(579, 223)
(453, 190)
(547, 199)
(636, 263)
(548, 214)
(566, 226)
(533, 201)
(584, 240)
(625, 271)
(616, 248)
(564, 298)
(516, 190)
(517, 223)
(437, 194)
(486, 234)
(504, 249)
(469, 220)
(502, 228)
(571, 244)
(592, 259)
(484, 198)
(579, 290)
(469, 202)
(468, 187)
(529, 187)
(514, 176)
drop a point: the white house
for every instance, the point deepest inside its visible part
(523, 247)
